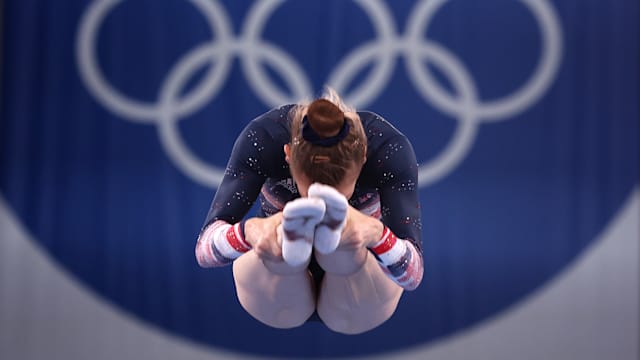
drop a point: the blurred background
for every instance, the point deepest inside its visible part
(117, 119)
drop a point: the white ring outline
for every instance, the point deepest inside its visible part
(169, 134)
(383, 47)
(502, 108)
(251, 41)
(110, 98)
(465, 133)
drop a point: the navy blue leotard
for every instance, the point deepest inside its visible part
(386, 188)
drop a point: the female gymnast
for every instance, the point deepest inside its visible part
(337, 236)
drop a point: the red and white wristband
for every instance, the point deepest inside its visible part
(220, 243)
(399, 259)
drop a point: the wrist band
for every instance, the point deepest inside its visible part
(389, 249)
(399, 259)
(220, 243)
(229, 241)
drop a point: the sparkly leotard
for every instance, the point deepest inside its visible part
(386, 187)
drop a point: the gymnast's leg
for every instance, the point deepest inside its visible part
(274, 293)
(277, 292)
(355, 295)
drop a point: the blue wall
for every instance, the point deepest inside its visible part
(117, 119)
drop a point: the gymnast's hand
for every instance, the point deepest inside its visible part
(329, 231)
(343, 227)
(261, 234)
(299, 220)
(360, 231)
(341, 246)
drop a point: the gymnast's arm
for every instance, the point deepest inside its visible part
(267, 288)
(222, 239)
(399, 249)
(377, 259)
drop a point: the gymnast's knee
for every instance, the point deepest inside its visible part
(354, 325)
(283, 318)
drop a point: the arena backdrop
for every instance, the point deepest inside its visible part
(118, 118)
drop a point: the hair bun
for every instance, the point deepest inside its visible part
(325, 118)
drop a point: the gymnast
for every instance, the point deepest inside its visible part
(337, 236)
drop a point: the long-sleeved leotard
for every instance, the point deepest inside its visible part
(385, 189)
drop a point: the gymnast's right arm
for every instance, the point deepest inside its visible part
(222, 238)
(268, 288)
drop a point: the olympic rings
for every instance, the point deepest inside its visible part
(253, 52)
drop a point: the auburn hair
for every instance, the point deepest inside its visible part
(326, 116)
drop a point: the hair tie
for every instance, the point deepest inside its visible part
(313, 137)
(319, 159)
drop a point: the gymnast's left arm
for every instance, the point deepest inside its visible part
(377, 258)
(398, 250)
(222, 238)
(394, 240)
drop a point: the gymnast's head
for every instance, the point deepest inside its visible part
(328, 144)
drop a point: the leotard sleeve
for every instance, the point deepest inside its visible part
(255, 152)
(399, 251)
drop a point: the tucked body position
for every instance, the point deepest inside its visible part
(337, 236)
